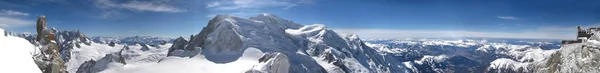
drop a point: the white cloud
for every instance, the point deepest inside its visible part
(391, 33)
(507, 17)
(152, 5)
(213, 4)
(248, 8)
(14, 22)
(253, 4)
(13, 13)
(11, 18)
(155, 7)
(241, 14)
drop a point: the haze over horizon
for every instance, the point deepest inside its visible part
(548, 19)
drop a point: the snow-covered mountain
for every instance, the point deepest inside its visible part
(269, 44)
(309, 48)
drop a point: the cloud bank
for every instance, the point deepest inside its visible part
(13, 13)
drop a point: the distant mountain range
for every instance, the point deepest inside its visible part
(132, 39)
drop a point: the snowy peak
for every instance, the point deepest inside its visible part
(267, 17)
(310, 48)
(273, 19)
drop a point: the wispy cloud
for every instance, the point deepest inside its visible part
(242, 14)
(251, 7)
(6, 22)
(391, 33)
(252, 4)
(507, 17)
(12, 18)
(112, 9)
(148, 6)
(151, 5)
(13, 13)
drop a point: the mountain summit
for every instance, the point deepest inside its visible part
(309, 48)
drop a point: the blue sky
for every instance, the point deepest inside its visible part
(540, 19)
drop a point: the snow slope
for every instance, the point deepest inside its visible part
(132, 54)
(197, 64)
(84, 53)
(17, 55)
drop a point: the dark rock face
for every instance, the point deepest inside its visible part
(111, 44)
(179, 44)
(144, 47)
(86, 67)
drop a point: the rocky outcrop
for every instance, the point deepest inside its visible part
(40, 26)
(87, 67)
(144, 47)
(111, 44)
(179, 49)
(51, 60)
